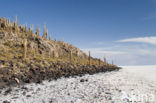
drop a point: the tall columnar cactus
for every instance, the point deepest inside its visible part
(10, 25)
(99, 62)
(25, 49)
(25, 29)
(16, 20)
(49, 36)
(45, 33)
(44, 29)
(89, 58)
(70, 57)
(31, 29)
(55, 39)
(37, 31)
(105, 60)
(16, 24)
(9, 22)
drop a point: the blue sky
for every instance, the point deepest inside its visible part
(122, 30)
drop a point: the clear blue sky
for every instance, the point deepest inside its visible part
(95, 25)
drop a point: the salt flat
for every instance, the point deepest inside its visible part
(132, 84)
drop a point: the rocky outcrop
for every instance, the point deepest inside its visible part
(40, 58)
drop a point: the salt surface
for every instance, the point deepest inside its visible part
(128, 85)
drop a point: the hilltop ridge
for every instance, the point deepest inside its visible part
(27, 57)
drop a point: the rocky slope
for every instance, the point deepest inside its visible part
(26, 57)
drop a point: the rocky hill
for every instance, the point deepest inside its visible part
(27, 57)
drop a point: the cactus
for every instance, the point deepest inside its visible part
(16, 20)
(70, 57)
(44, 29)
(49, 36)
(99, 62)
(55, 39)
(105, 61)
(45, 32)
(25, 49)
(25, 29)
(37, 31)
(53, 54)
(9, 22)
(89, 58)
(16, 24)
(31, 29)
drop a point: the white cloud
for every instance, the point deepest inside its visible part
(101, 51)
(149, 40)
(126, 54)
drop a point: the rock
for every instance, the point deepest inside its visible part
(24, 93)
(82, 80)
(108, 93)
(7, 91)
(71, 102)
(38, 81)
(28, 96)
(24, 88)
(120, 90)
(1, 87)
(17, 81)
(6, 101)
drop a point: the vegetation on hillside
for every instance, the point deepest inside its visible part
(28, 57)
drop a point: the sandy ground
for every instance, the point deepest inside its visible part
(133, 84)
